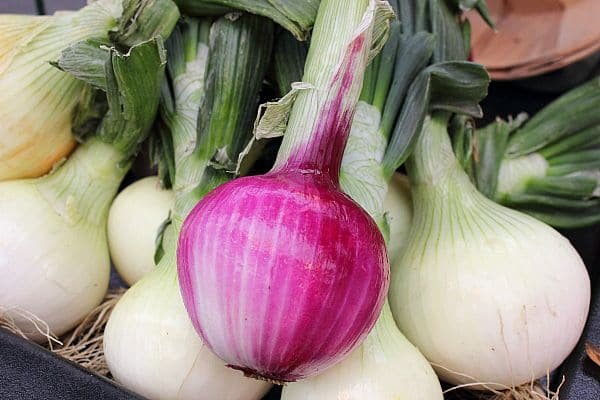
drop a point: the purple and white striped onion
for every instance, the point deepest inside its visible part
(283, 274)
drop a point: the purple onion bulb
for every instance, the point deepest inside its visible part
(281, 274)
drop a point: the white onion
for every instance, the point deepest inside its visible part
(398, 208)
(385, 366)
(37, 100)
(134, 219)
(488, 294)
(53, 252)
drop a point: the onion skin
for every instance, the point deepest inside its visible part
(292, 273)
(399, 211)
(488, 294)
(53, 249)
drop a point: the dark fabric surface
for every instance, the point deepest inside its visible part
(30, 372)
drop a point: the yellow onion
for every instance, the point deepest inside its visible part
(37, 100)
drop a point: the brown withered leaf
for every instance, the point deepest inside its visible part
(593, 352)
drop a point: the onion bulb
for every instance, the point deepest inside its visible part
(53, 250)
(385, 366)
(282, 274)
(37, 100)
(491, 296)
(134, 220)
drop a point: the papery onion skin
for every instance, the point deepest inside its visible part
(488, 294)
(291, 271)
(134, 220)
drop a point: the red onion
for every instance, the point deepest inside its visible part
(283, 274)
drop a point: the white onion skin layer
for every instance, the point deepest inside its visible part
(134, 219)
(488, 294)
(152, 348)
(385, 367)
(398, 208)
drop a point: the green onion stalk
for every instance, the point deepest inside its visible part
(298, 17)
(547, 166)
(37, 101)
(53, 248)
(295, 16)
(208, 103)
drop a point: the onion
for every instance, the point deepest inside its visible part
(53, 251)
(134, 220)
(385, 366)
(53, 247)
(38, 100)
(481, 289)
(152, 348)
(548, 166)
(282, 274)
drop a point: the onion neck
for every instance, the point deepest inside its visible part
(433, 161)
(81, 190)
(435, 173)
(320, 119)
(189, 167)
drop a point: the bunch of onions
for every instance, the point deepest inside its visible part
(133, 230)
(214, 75)
(481, 288)
(550, 166)
(38, 101)
(53, 249)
